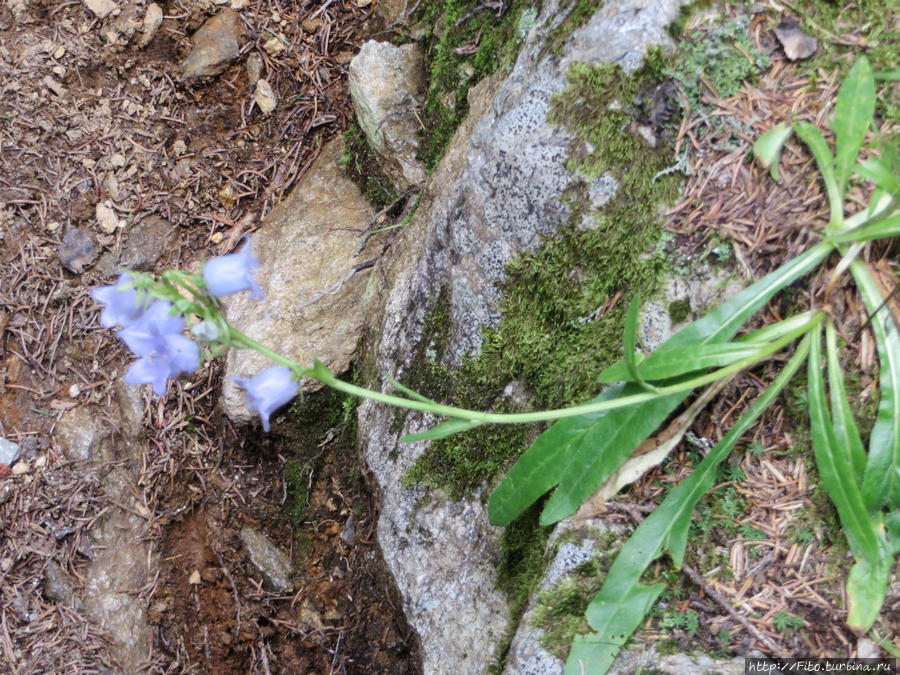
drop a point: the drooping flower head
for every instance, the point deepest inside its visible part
(233, 273)
(179, 356)
(268, 391)
(156, 337)
(121, 303)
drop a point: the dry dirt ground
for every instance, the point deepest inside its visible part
(89, 118)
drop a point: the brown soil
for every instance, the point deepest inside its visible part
(88, 118)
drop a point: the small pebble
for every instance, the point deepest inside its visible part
(74, 391)
(21, 468)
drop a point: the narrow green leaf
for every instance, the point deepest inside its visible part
(845, 431)
(889, 75)
(668, 363)
(768, 147)
(442, 430)
(815, 141)
(560, 455)
(595, 652)
(539, 468)
(883, 229)
(623, 602)
(835, 466)
(630, 343)
(879, 172)
(853, 113)
(881, 480)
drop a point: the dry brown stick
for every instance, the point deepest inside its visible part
(753, 630)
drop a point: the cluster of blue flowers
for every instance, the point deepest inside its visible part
(155, 333)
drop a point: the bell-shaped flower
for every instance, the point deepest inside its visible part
(268, 391)
(156, 337)
(145, 336)
(178, 355)
(233, 273)
(122, 305)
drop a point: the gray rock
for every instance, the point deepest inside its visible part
(216, 43)
(77, 250)
(124, 560)
(527, 655)
(142, 245)
(387, 85)
(390, 11)
(78, 432)
(58, 587)
(9, 451)
(647, 658)
(271, 561)
(153, 18)
(145, 242)
(702, 286)
(100, 8)
(314, 306)
(496, 193)
(254, 68)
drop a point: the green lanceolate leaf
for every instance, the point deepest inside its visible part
(845, 431)
(815, 141)
(540, 467)
(768, 147)
(835, 466)
(668, 363)
(623, 602)
(866, 587)
(853, 114)
(882, 229)
(881, 480)
(580, 453)
(879, 172)
(442, 430)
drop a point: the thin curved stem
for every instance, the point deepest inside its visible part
(323, 375)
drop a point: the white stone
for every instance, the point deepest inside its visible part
(101, 8)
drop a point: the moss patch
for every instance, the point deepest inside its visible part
(311, 420)
(559, 611)
(362, 167)
(464, 42)
(719, 57)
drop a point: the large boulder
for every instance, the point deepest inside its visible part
(497, 193)
(314, 299)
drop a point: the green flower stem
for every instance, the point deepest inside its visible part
(323, 375)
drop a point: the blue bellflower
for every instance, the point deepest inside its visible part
(233, 273)
(164, 352)
(268, 391)
(121, 304)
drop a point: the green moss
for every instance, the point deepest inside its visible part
(310, 420)
(577, 13)
(363, 168)
(465, 41)
(559, 611)
(720, 56)
(679, 310)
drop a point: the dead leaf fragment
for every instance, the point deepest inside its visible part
(797, 44)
